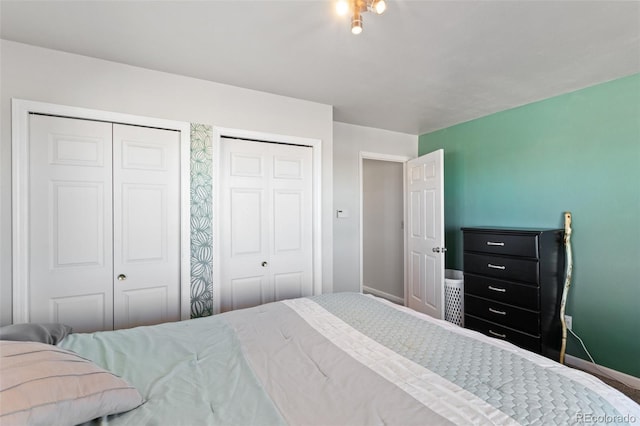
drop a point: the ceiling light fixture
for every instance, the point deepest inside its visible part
(357, 8)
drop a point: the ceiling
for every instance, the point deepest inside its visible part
(423, 65)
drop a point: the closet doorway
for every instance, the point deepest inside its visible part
(266, 215)
(100, 223)
(382, 249)
(267, 218)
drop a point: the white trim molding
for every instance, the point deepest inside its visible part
(20, 192)
(383, 294)
(364, 155)
(600, 370)
(316, 145)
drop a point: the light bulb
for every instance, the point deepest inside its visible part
(380, 6)
(342, 7)
(356, 24)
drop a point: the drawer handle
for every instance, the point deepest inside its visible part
(492, 266)
(501, 290)
(497, 312)
(492, 243)
(502, 336)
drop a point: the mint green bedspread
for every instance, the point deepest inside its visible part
(190, 372)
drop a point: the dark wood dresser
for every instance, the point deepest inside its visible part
(513, 281)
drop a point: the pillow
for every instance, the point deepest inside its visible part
(44, 333)
(43, 384)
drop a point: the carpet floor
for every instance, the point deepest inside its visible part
(632, 393)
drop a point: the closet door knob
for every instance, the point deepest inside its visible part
(122, 277)
(264, 264)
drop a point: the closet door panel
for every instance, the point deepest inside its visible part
(85, 313)
(77, 210)
(244, 251)
(288, 221)
(291, 224)
(246, 223)
(146, 205)
(248, 291)
(144, 306)
(70, 232)
(144, 227)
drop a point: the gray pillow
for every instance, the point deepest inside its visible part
(46, 385)
(43, 333)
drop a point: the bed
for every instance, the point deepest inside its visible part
(336, 359)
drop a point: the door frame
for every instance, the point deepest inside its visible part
(316, 145)
(364, 155)
(20, 110)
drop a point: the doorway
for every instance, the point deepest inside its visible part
(382, 249)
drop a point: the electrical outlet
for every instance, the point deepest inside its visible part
(568, 320)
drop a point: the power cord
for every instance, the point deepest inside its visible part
(604, 373)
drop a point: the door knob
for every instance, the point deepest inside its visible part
(436, 249)
(264, 264)
(122, 277)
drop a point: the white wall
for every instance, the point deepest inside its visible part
(45, 75)
(348, 142)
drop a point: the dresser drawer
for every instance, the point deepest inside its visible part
(521, 295)
(512, 245)
(506, 268)
(501, 313)
(523, 340)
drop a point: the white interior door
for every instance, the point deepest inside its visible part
(266, 223)
(70, 222)
(146, 206)
(425, 234)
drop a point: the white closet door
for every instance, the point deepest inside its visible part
(146, 206)
(266, 223)
(70, 223)
(104, 224)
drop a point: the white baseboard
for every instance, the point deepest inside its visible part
(580, 363)
(384, 295)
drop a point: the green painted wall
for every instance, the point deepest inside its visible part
(578, 152)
